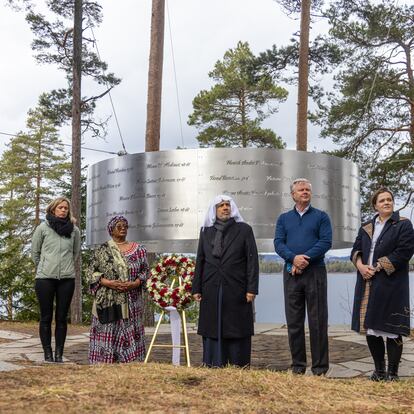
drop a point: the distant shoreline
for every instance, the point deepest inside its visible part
(337, 266)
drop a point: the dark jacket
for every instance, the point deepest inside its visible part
(310, 234)
(237, 271)
(388, 306)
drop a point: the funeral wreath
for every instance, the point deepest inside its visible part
(163, 273)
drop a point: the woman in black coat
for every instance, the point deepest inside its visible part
(381, 253)
(226, 283)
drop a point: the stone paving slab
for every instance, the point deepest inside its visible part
(338, 371)
(165, 328)
(12, 353)
(275, 351)
(408, 345)
(77, 338)
(14, 336)
(275, 333)
(368, 360)
(359, 366)
(405, 370)
(359, 339)
(6, 366)
(20, 344)
(265, 327)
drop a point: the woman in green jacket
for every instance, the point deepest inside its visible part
(55, 247)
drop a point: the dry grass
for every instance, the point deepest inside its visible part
(158, 388)
(32, 327)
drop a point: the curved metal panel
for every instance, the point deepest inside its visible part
(164, 195)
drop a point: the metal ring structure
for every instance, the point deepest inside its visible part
(165, 195)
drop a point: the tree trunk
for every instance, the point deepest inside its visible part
(38, 183)
(10, 305)
(410, 73)
(243, 119)
(76, 308)
(148, 311)
(302, 115)
(152, 136)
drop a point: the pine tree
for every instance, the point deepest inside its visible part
(53, 44)
(230, 113)
(31, 170)
(371, 115)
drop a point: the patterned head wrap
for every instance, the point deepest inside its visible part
(210, 217)
(112, 223)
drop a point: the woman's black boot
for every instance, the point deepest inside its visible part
(379, 374)
(59, 354)
(394, 351)
(45, 338)
(392, 374)
(48, 353)
(377, 348)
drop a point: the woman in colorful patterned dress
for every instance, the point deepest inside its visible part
(117, 272)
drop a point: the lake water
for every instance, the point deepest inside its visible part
(270, 306)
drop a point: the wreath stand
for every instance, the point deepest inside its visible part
(183, 326)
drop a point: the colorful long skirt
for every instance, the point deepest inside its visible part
(121, 341)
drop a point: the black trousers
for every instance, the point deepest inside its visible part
(46, 291)
(308, 290)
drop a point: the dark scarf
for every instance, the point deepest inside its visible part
(221, 227)
(63, 227)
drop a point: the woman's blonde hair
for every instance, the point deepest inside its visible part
(54, 203)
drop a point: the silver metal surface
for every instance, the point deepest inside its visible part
(164, 195)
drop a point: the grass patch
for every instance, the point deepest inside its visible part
(162, 388)
(32, 327)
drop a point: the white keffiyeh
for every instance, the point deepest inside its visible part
(211, 212)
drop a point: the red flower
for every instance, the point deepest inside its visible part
(162, 303)
(183, 260)
(163, 291)
(158, 268)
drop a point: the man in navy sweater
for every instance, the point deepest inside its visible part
(303, 236)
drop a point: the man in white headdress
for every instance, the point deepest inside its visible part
(226, 282)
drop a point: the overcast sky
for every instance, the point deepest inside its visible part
(201, 33)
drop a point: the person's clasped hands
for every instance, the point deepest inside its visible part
(300, 262)
(119, 285)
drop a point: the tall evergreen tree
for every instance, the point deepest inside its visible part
(371, 115)
(230, 113)
(282, 62)
(48, 160)
(32, 170)
(15, 226)
(53, 44)
(304, 8)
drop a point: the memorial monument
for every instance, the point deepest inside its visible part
(164, 194)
